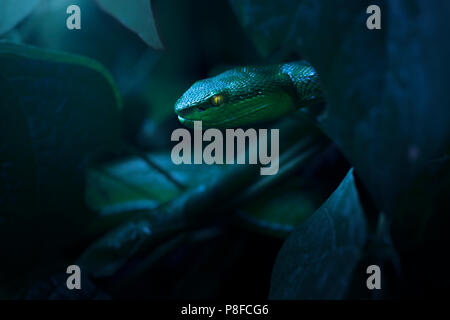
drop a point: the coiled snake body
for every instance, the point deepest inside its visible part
(249, 95)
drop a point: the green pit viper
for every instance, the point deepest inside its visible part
(249, 95)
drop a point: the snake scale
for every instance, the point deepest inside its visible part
(249, 95)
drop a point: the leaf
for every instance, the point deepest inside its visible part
(158, 208)
(386, 89)
(318, 259)
(211, 190)
(56, 111)
(279, 211)
(269, 24)
(108, 254)
(132, 184)
(13, 11)
(126, 56)
(171, 211)
(136, 15)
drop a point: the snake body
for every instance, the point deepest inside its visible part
(246, 96)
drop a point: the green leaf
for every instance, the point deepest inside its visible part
(13, 11)
(136, 15)
(209, 191)
(56, 111)
(133, 184)
(317, 260)
(278, 211)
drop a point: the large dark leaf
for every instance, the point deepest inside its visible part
(56, 111)
(269, 30)
(153, 207)
(317, 260)
(386, 89)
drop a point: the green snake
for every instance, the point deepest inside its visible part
(246, 96)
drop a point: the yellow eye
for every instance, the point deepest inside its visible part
(217, 100)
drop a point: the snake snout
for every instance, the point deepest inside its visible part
(182, 110)
(189, 110)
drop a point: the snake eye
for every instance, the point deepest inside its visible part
(217, 100)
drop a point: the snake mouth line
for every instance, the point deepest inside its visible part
(181, 119)
(184, 121)
(224, 123)
(206, 124)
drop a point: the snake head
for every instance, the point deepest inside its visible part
(234, 98)
(202, 101)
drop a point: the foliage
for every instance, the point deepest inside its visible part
(86, 175)
(11, 13)
(59, 109)
(369, 77)
(318, 259)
